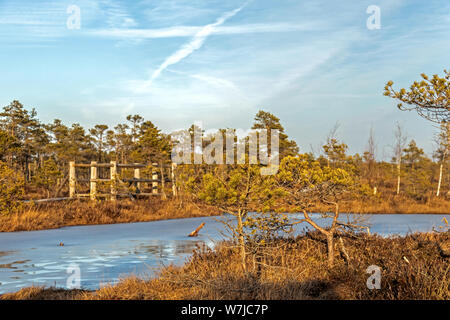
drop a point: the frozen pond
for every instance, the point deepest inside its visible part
(104, 253)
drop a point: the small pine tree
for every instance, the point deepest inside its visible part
(47, 176)
(11, 189)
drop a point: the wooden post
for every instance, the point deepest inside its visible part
(137, 175)
(155, 179)
(72, 179)
(162, 178)
(174, 186)
(440, 179)
(113, 172)
(93, 182)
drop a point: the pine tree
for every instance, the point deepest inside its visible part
(98, 138)
(442, 152)
(268, 121)
(429, 97)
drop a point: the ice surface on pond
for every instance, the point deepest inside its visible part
(105, 253)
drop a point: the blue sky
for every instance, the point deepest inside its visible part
(311, 63)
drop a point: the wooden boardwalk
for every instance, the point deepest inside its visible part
(115, 180)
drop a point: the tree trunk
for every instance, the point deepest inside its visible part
(440, 179)
(329, 234)
(61, 186)
(330, 246)
(163, 192)
(241, 239)
(398, 178)
(344, 251)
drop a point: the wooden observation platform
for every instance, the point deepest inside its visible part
(116, 182)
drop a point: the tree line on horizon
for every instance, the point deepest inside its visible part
(34, 156)
(37, 154)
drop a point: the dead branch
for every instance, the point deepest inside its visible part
(195, 232)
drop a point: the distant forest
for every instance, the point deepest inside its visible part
(38, 154)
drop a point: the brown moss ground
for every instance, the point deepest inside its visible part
(412, 267)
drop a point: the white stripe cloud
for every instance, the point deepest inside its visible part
(188, 31)
(195, 44)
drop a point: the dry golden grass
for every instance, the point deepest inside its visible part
(413, 267)
(71, 213)
(394, 205)
(41, 293)
(60, 214)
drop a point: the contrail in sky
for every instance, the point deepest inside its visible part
(196, 43)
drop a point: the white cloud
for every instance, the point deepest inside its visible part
(179, 12)
(23, 21)
(181, 31)
(214, 81)
(117, 15)
(188, 31)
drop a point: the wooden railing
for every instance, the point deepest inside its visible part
(157, 181)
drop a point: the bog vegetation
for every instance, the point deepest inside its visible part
(34, 159)
(256, 262)
(412, 267)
